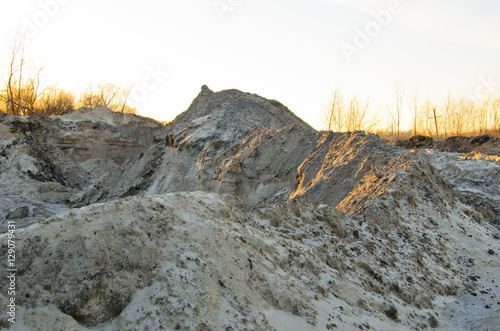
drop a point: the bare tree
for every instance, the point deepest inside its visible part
(460, 117)
(124, 102)
(425, 118)
(12, 69)
(357, 116)
(468, 111)
(55, 101)
(399, 92)
(414, 110)
(495, 114)
(106, 94)
(449, 114)
(332, 117)
(482, 117)
(22, 85)
(102, 95)
(348, 115)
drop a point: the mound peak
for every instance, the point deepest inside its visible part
(237, 109)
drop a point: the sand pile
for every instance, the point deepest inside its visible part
(238, 215)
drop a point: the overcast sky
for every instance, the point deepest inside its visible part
(294, 51)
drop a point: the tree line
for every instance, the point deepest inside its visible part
(452, 117)
(23, 91)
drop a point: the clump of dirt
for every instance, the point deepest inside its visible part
(418, 141)
(484, 144)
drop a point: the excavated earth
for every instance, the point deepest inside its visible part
(240, 216)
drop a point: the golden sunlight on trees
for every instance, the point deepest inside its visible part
(494, 107)
(427, 119)
(347, 115)
(21, 85)
(23, 93)
(332, 117)
(55, 101)
(453, 117)
(109, 95)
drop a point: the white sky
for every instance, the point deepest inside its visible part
(289, 50)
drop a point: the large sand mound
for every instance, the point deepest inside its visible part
(238, 215)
